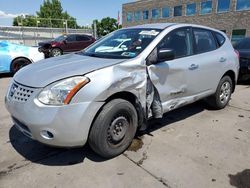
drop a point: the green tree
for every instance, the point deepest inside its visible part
(25, 21)
(51, 14)
(106, 25)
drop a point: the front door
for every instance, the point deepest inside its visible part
(171, 78)
(71, 44)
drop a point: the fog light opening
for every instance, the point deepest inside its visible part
(47, 135)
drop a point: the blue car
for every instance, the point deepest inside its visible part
(14, 56)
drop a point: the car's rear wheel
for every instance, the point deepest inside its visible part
(55, 52)
(223, 93)
(114, 128)
(17, 64)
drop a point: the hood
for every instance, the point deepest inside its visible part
(244, 53)
(44, 43)
(44, 72)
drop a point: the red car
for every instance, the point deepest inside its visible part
(65, 44)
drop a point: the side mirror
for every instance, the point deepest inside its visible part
(165, 54)
(65, 41)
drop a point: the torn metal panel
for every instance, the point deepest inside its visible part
(154, 105)
(124, 77)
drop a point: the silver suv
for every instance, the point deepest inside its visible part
(105, 96)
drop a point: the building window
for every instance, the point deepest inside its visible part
(191, 9)
(137, 16)
(129, 17)
(243, 5)
(145, 15)
(223, 5)
(165, 12)
(178, 10)
(155, 13)
(238, 34)
(206, 7)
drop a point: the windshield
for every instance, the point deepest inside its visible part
(126, 43)
(60, 38)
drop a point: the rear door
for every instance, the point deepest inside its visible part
(207, 65)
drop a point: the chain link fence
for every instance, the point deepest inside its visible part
(45, 29)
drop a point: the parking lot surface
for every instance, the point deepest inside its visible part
(190, 147)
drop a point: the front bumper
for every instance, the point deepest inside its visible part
(44, 50)
(69, 124)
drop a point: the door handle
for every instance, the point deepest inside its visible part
(223, 59)
(193, 67)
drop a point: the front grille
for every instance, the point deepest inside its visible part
(20, 93)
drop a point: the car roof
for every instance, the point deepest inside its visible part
(165, 25)
(153, 26)
(77, 34)
(246, 38)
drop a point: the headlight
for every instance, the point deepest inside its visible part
(62, 92)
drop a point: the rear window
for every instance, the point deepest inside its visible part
(204, 41)
(220, 38)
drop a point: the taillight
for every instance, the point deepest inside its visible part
(238, 54)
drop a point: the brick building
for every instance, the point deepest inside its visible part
(230, 16)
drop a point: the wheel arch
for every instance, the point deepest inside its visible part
(231, 74)
(130, 97)
(58, 47)
(20, 57)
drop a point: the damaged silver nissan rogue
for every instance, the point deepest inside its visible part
(107, 92)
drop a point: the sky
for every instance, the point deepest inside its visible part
(85, 11)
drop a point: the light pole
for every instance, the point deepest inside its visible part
(66, 26)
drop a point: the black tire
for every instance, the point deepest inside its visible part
(114, 128)
(17, 64)
(223, 94)
(55, 52)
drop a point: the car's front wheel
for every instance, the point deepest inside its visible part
(223, 93)
(56, 52)
(17, 64)
(114, 128)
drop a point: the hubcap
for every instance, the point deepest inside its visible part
(225, 92)
(19, 65)
(56, 52)
(117, 129)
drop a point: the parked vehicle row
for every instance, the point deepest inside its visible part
(103, 95)
(65, 44)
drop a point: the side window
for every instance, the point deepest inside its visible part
(82, 38)
(220, 38)
(71, 38)
(204, 41)
(178, 40)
